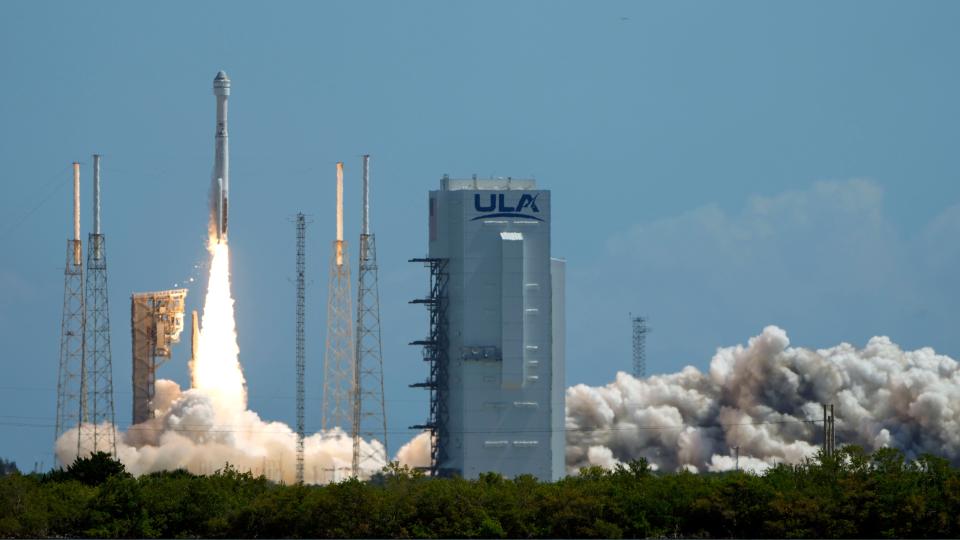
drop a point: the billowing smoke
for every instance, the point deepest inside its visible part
(416, 453)
(209, 426)
(189, 433)
(766, 399)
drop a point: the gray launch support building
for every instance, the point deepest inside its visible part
(496, 345)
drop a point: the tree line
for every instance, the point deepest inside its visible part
(848, 495)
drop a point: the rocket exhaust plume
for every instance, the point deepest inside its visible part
(204, 428)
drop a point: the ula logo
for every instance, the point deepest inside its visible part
(496, 206)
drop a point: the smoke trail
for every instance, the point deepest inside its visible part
(761, 398)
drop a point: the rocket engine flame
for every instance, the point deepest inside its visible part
(216, 369)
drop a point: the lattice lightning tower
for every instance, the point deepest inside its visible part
(71, 376)
(640, 331)
(369, 410)
(301, 358)
(338, 355)
(97, 355)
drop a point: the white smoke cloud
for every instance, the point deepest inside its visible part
(416, 453)
(762, 398)
(187, 434)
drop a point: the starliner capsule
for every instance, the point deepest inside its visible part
(221, 167)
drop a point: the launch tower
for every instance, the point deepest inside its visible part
(156, 321)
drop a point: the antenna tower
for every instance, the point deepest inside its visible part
(71, 376)
(301, 359)
(640, 331)
(369, 411)
(97, 355)
(338, 383)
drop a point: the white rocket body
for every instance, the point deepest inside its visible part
(221, 165)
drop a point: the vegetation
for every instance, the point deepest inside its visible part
(8, 467)
(853, 494)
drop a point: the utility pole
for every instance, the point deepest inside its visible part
(736, 450)
(369, 410)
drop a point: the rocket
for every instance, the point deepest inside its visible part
(221, 165)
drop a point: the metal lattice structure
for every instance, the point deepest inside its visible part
(829, 433)
(301, 355)
(156, 321)
(435, 353)
(338, 353)
(71, 375)
(369, 409)
(97, 355)
(640, 331)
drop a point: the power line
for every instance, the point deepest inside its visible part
(51, 187)
(286, 397)
(199, 428)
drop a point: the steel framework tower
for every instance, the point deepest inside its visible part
(369, 410)
(71, 376)
(301, 359)
(156, 320)
(640, 331)
(97, 352)
(338, 383)
(435, 352)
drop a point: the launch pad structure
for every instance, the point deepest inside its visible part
(156, 321)
(85, 374)
(369, 409)
(71, 375)
(640, 331)
(301, 224)
(435, 354)
(98, 360)
(338, 357)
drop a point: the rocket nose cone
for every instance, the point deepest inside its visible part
(221, 84)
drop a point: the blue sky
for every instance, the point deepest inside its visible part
(717, 167)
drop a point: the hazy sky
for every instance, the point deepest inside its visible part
(717, 167)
